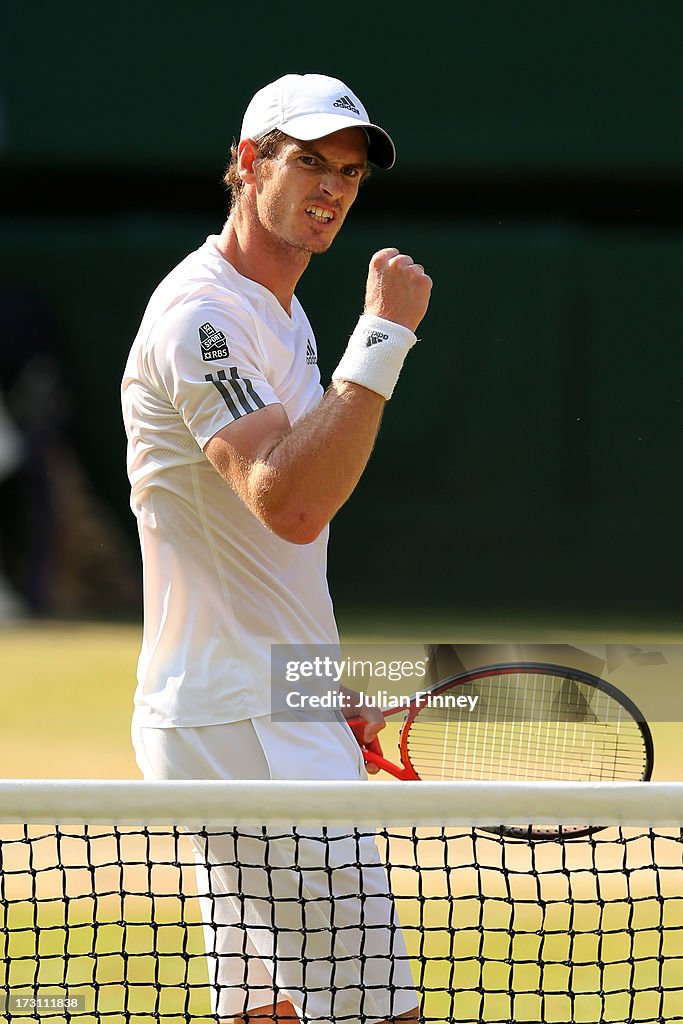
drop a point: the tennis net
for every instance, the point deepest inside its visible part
(182, 901)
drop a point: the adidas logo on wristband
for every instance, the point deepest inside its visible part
(378, 372)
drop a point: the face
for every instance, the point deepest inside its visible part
(304, 192)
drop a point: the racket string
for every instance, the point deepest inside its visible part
(528, 726)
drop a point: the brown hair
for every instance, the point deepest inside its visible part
(267, 147)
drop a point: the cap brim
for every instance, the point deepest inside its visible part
(381, 149)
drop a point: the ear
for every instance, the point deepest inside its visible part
(247, 153)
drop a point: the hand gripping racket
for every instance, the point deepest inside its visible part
(531, 722)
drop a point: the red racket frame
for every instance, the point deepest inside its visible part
(373, 754)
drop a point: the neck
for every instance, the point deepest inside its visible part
(256, 254)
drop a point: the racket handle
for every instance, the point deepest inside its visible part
(372, 752)
(372, 757)
(357, 727)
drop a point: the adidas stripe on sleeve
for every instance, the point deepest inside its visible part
(238, 394)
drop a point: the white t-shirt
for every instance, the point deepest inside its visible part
(219, 588)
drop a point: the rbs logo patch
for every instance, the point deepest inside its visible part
(214, 343)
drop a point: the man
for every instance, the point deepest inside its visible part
(238, 462)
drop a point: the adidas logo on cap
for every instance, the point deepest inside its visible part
(346, 103)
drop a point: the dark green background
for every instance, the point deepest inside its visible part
(530, 457)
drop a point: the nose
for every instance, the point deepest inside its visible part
(332, 185)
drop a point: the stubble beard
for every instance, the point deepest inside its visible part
(286, 243)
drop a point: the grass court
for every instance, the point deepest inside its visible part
(67, 690)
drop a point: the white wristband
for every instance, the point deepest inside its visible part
(375, 353)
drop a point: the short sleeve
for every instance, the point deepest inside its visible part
(209, 362)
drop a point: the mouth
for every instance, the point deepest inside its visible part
(319, 215)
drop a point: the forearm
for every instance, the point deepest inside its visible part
(308, 473)
(294, 479)
(298, 483)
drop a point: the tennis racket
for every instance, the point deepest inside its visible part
(531, 722)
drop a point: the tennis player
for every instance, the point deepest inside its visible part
(238, 461)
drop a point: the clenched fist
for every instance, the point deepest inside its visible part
(397, 289)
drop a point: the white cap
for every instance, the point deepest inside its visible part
(310, 107)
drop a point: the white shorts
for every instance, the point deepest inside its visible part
(288, 917)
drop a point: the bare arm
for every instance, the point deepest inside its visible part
(295, 479)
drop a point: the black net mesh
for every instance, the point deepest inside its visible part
(127, 924)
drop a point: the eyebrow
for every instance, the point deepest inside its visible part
(310, 151)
